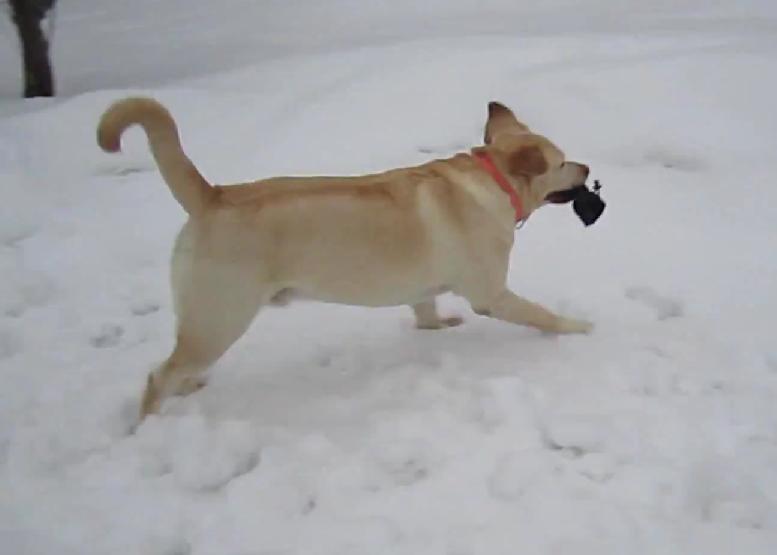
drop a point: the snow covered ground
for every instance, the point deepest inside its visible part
(337, 430)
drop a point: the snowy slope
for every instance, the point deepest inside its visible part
(339, 430)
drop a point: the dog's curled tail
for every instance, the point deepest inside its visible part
(187, 185)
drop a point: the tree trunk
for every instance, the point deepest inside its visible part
(38, 79)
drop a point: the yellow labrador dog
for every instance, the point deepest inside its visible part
(398, 237)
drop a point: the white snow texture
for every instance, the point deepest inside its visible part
(339, 430)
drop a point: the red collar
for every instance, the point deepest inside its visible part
(487, 164)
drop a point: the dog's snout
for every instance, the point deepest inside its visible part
(585, 169)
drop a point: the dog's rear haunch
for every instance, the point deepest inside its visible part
(398, 237)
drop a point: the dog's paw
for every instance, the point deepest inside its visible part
(441, 324)
(452, 321)
(572, 325)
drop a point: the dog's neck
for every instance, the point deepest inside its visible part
(485, 161)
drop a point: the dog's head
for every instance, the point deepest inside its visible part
(531, 159)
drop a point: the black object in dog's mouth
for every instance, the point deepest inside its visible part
(588, 205)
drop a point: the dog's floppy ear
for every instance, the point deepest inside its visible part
(501, 120)
(528, 160)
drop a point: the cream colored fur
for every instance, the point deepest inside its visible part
(398, 237)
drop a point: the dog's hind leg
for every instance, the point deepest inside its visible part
(214, 305)
(427, 318)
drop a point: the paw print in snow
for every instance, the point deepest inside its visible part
(108, 335)
(664, 307)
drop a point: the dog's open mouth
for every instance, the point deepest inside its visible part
(566, 195)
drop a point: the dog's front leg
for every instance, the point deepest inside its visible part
(510, 307)
(427, 318)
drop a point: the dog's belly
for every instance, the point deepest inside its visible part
(367, 265)
(388, 295)
(371, 281)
